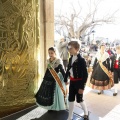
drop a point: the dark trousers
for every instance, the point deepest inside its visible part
(116, 75)
(73, 91)
(65, 63)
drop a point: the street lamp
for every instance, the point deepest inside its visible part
(107, 40)
(93, 33)
(93, 41)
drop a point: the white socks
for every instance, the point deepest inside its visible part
(84, 107)
(99, 91)
(71, 107)
(115, 88)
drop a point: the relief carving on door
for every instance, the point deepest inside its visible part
(17, 51)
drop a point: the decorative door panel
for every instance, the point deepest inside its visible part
(18, 71)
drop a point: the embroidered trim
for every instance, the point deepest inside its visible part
(107, 72)
(57, 79)
(103, 57)
(96, 84)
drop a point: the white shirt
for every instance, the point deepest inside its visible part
(73, 60)
(118, 55)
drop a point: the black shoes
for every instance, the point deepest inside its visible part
(86, 117)
(49, 111)
(114, 94)
(99, 93)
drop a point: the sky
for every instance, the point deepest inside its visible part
(110, 31)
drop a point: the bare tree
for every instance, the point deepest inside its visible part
(76, 24)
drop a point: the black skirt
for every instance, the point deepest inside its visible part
(45, 94)
(99, 74)
(99, 79)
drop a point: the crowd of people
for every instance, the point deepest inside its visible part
(70, 67)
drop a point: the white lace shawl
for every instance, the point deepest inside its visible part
(55, 62)
(102, 57)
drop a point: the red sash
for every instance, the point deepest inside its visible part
(75, 79)
(116, 64)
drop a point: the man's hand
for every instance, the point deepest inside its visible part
(80, 91)
(90, 69)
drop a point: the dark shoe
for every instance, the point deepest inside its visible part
(51, 111)
(99, 93)
(114, 94)
(86, 117)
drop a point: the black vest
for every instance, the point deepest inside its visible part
(78, 67)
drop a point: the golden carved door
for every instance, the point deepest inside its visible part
(18, 44)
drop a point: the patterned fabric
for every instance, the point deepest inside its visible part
(45, 94)
(55, 63)
(99, 85)
(57, 79)
(99, 79)
(102, 57)
(52, 101)
(49, 95)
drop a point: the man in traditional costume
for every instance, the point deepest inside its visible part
(115, 68)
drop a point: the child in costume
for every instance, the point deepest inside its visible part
(51, 94)
(77, 73)
(115, 68)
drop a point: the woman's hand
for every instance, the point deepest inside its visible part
(80, 91)
(112, 73)
(90, 69)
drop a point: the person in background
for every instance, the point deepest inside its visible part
(101, 78)
(63, 51)
(77, 72)
(88, 60)
(115, 68)
(109, 51)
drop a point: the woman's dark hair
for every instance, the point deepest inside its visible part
(52, 48)
(55, 50)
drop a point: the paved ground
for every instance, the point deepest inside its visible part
(101, 107)
(38, 113)
(105, 105)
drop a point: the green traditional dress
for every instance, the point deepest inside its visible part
(50, 95)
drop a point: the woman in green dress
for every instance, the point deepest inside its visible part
(50, 96)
